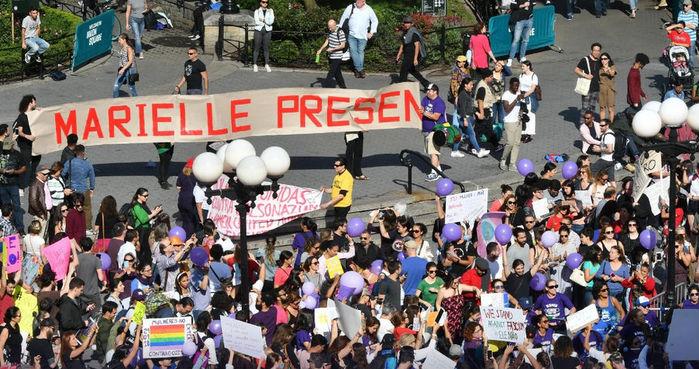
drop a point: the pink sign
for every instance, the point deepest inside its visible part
(269, 213)
(12, 254)
(58, 256)
(486, 230)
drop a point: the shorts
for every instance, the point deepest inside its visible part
(607, 98)
(430, 148)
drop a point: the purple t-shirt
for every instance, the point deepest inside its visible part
(298, 244)
(544, 341)
(301, 337)
(267, 319)
(596, 340)
(433, 106)
(687, 304)
(553, 308)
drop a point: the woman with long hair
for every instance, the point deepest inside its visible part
(57, 220)
(543, 334)
(310, 248)
(11, 338)
(479, 45)
(505, 191)
(72, 350)
(509, 206)
(600, 185)
(181, 287)
(309, 230)
(528, 81)
(467, 120)
(56, 184)
(610, 310)
(615, 270)
(607, 240)
(126, 71)
(591, 264)
(142, 216)
(284, 268)
(310, 273)
(185, 198)
(270, 262)
(32, 245)
(451, 298)
(144, 278)
(607, 88)
(107, 217)
(473, 346)
(429, 286)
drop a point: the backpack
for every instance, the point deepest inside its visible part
(200, 345)
(450, 133)
(620, 144)
(126, 212)
(57, 75)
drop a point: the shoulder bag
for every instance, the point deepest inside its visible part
(582, 86)
(133, 74)
(578, 277)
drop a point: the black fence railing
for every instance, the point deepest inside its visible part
(406, 159)
(13, 67)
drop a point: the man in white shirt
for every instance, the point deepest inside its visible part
(129, 247)
(363, 24)
(606, 160)
(31, 29)
(511, 100)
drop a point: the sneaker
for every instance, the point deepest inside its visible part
(509, 62)
(513, 168)
(630, 168)
(503, 165)
(432, 177)
(617, 166)
(254, 68)
(457, 154)
(141, 56)
(21, 192)
(27, 58)
(196, 37)
(191, 36)
(38, 58)
(483, 153)
(474, 152)
(268, 69)
(523, 60)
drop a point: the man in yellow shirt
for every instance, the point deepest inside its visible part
(341, 191)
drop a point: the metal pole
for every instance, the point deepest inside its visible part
(219, 44)
(670, 291)
(410, 179)
(242, 209)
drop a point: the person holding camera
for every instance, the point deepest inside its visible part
(512, 100)
(485, 99)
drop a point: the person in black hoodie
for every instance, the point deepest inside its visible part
(71, 308)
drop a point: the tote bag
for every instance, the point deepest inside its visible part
(582, 86)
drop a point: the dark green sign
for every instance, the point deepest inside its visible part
(93, 38)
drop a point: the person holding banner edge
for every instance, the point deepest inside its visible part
(340, 191)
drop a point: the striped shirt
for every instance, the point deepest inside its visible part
(334, 40)
(689, 17)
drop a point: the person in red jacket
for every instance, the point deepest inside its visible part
(634, 91)
(677, 35)
(641, 283)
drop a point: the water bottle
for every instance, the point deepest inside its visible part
(317, 58)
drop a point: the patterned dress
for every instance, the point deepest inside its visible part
(454, 306)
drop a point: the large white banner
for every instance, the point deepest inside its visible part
(466, 206)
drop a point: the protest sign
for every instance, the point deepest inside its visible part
(486, 230)
(584, 197)
(58, 256)
(242, 337)
(350, 319)
(541, 208)
(435, 318)
(164, 337)
(323, 318)
(269, 213)
(139, 312)
(226, 116)
(493, 299)
(28, 305)
(334, 266)
(504, 324)
(680, 345)
(12, 253)
(656, 192)
(578, 320)
(437, 360)
(466, 206)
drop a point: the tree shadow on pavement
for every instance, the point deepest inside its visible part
(658, 81)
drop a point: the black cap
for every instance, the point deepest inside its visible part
(433, 87)
(482, 264)
(407, 19)
(486, 73)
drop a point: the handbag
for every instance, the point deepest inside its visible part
(101, 244)
(537, 93)
(578, 277)
(582, 86)
(133, 74)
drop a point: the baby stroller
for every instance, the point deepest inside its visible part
(676, 58)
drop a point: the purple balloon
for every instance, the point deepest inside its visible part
(451, 232)
(199, 256)
(569, 170)
(376, 266)
(178, 231)
(215, 327)
(217, 340)
(344, 293)
(444, 187)
(189, 348)
(574, 260)
(549, 238)
(308, 288)
(538, 282)
(355, 227)
(503, 233)
(525, 166)
(647, 238)
(231, 315)
(310, 302)
(354, 281)
(105, 260)
(401, 256)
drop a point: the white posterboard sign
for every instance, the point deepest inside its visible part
(350, 319)
(683, 326)
(323, 318)
(164, 337)
(242, 337)
(656, 192)
(493, 299)
(541, 208)
(504, 324)
(577, 321)
(466, 206)
(437, 360)
(584, 197)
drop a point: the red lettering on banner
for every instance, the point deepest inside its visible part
(158, 119)
(411, 102)
(92, 124)
(331, 112)
(282, 109)
(235, 115)
(384, 105)
(368, 109)
(211, 131)
(64, 127)
(118, 122)
(183, 123)
(309, 112)
(141, 120)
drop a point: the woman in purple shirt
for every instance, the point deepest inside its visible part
(693, 301)
(544, 335)
(308, 231)
(554, 305)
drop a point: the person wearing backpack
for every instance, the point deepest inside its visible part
(412, 50)
(335, 43)
(360, 24)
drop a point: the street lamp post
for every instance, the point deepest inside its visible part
(246, 173)
(647, 123)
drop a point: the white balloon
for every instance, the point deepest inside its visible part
(277, 161)
(251, 171)
(673, 112)
(651, 105)
(221, 153)
(207, 167)
(237, 150)
(693, 117)
(646, 123)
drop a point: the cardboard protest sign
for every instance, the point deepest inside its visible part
(323, 318)
(504, 324)
(486, 230)
(269, 213)
(541, 208)
(12, 253)
(334, 267)
(466, 206)
(139, 312)
(493, 299)
(350, 319)
(226, 116)
(584, 197)
(656, 192)
(242, 337)
(577, 321)
(58, 256)
(437, 360)
(164, 337)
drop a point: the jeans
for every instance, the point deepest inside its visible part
(468, 130)
(633, 4)
(262, 39)
(523, 30)
(571, 4)
(692, 52)
(121, 79)
(498, 112)
(9, 194)
(32, 163)
(138, 26)
(36, 45)
(532, 102)
(601, 6)
(356, 49)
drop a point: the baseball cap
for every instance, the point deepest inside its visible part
(482, 264)
(433, 87)
(138, 295)
(407, 19)
(525, 303)
(461, 58)
(643, 301)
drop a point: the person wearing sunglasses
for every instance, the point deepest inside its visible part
(692, 301)
(425, 250)
(367, 251)
(340, 191)
(429, 286)
(554, 305)
(610, 310)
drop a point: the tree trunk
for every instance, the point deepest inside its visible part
(310, 4)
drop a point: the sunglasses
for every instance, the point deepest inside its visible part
(129, 260)
(146, 195)
(609, 232)
(604, 290)
(64, 210)
(694, 294)
(415, 230)
(432, 271)
(498, 287)
(191, 53)
(545, 322)
(552, 286)
(365, 238)
(632, 224)
(605, 58)
(337, 165)
(528, 221)
(314, 263)
(510, 203)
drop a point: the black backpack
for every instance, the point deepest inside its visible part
(621, 141)
(126, 212)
